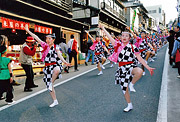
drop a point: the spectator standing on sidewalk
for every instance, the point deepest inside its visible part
(176, 53)
(4, 42)
(176, 35)
(5, 75)
(64, 49)
(90, 52)
(73, 47)
(171, 45)
(27, 51)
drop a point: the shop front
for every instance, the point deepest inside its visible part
(12, 24)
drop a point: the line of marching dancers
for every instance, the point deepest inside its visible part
(130, 53)
(123, 50)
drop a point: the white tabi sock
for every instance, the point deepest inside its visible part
(129, 107)
(54, 103)
(131, 87)
(100, 73)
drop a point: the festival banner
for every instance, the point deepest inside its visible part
(14, 24)
(42, 29)
(133, 20)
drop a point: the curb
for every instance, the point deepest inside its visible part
(162, 107)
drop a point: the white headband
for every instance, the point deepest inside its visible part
(125, 32)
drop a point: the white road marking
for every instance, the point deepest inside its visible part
(39, 92)
(162, 108)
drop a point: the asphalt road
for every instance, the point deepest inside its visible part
(92, 98)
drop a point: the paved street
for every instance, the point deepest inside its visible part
(92, 98)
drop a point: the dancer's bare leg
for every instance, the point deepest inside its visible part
(56, 72)
(128, 100)
(103, 60)
(127, 96)
(53, 94)
(99, 66)
(148, 53)
(137, 74)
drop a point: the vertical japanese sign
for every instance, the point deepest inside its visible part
(133, 20)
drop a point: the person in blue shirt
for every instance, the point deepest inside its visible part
(176, 52)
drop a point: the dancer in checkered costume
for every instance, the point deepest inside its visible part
(98, 47)
(110, 48)
(53, 62)
(48, 70)
(128, 73)
(144, 47)
(123, 74)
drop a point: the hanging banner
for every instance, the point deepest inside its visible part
(42, 29)
(150, 22)
(133, 20)
(14, 24)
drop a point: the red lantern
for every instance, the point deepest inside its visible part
(13, 30)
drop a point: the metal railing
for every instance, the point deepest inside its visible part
(114, 12)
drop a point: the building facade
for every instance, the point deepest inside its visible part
(42, 17)
(141, 19)
(156, 12)
(109, 13)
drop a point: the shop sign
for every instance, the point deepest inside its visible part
(94, 20)
(14, 24)
(42, 29)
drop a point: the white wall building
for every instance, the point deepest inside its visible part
(156, 12)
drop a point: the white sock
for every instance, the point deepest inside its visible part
(128, 108)
(131, 87)
(129, 104)
(54, 103)
(100, 73)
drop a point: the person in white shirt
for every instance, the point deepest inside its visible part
(73, 51)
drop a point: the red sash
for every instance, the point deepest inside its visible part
(125, 63)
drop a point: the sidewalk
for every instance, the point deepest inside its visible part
(173, 95)
(19, 90)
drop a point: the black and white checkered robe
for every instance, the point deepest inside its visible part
(48, 70)
(143, 45)
(111, 47)
(149, 48)
(123, 75)
(99, 49)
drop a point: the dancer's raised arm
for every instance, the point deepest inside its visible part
(90, 36)
(134, 35)
(107, 34)
(33, 35)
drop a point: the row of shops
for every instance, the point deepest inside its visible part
(40, 21)
(54, 16)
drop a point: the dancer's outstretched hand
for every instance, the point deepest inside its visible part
(128, 28)
(100, 26)
(151, 70)
(67, 64)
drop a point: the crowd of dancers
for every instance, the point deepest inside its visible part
(130, 50)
